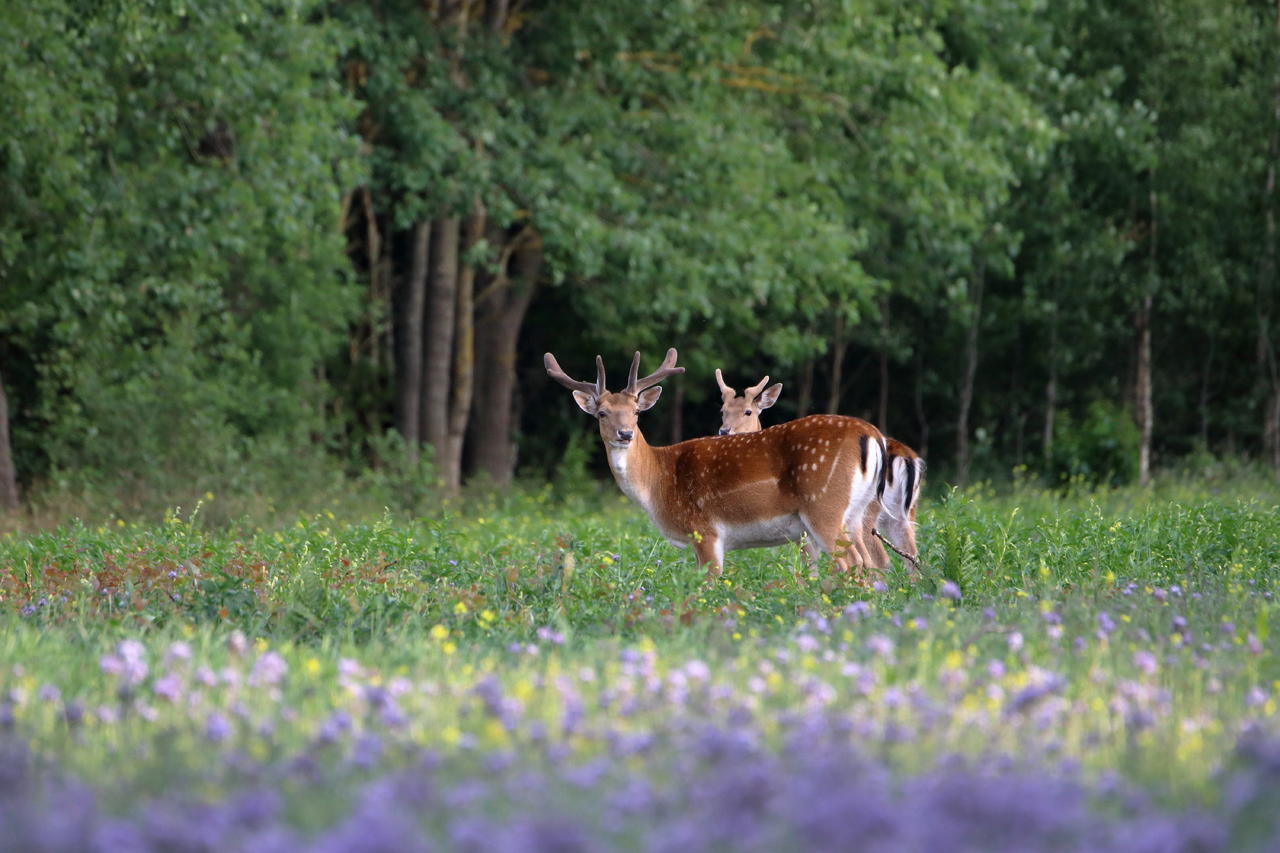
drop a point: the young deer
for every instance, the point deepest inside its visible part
(894, 515)
(727, 493)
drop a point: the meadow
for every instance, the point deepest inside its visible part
(1076, 670)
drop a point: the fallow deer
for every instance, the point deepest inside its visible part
(742, 414)
(894, 515)
(727, 493)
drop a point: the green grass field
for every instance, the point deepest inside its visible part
(1114, 644)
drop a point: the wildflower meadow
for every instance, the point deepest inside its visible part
(1080, 671)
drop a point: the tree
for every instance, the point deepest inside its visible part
(8, 474)
(172, 263)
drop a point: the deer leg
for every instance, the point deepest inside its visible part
(826, 533)
(901, 533)
(811, 553)
(878, 556)
(710, 553)
(858, 522)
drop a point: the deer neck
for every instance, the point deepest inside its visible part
(636, 469)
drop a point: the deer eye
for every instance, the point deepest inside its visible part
(600, 415)
(747, 412)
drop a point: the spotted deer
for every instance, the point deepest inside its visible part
(893, 515)
(727, 493)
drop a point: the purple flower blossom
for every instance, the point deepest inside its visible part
(1145, 661)
(237, 643)
(1105, 625)
(549, 635)
(168, 687)
(880, 645)
(951, 591)
(268, 670)
(217, 728)
(178, 652)
(857, 610)
(128, 663)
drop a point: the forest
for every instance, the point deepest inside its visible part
(263, 247)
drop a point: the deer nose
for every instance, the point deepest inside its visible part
(625, 434)
(724, 430)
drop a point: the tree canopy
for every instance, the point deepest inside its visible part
(1012, 234)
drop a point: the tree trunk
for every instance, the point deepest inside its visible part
(1270, 372)
(963, 451)
(463, 356)
(498, 334)
(677, 411)
(1051, 388)
(1142, 374)
(1142, 389)
(8, 473)
(495, 16)
(1271, 429)
(805, 398)
(1206, 376)
(838, 347)
(921, 420)
(410, 297)
(441, 305)
(883, 421)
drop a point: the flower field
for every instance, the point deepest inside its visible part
(1092, 672)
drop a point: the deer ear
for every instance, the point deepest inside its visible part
(586, 402)
(648, 398)
(769, 396)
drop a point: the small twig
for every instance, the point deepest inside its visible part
(915, 564)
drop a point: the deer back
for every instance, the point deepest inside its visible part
(782, 470)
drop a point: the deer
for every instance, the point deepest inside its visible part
(892, 516)
(807, 477)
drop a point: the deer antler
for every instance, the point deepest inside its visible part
(754, 391)
(667, 368)
(554, 371)
(725, 391)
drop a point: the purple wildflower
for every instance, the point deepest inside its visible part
(237, 644)
(1105, 625)
(168, 687)
(857, 610)
(880, 645)
(269, 669)
(217, 728)
(1145, 661)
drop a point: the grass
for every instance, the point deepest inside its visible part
(1121, 632)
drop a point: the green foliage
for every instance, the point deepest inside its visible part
(173, 267)
(1101, 448)
(399, 479)
(762, 185)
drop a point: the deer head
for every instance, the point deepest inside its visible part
(616, 411)
(742, 414)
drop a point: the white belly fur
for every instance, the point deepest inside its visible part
(761, 534)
